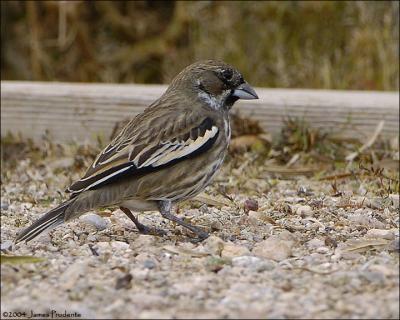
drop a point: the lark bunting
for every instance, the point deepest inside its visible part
(166, 154)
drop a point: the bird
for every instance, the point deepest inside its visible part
(167, 154)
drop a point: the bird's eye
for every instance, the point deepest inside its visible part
(227, 74)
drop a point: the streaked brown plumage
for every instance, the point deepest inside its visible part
(167, 154)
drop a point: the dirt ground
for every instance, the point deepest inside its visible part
(281, 246)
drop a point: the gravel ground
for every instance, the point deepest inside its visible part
(280, 247)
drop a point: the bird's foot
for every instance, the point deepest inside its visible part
(143, 229)
(165, 208)
(150, 230)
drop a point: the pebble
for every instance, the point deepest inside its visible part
(245, 261)
(95, 220)
(394, 245)
(124, 282)
(374, 277)
(304, 211)
(102, 247)
(149, 264)
(395, 200)
(255, 217)
(144, 241)
(378, 203)
(214, 245)
(294, 200)
(254, 263)
(315, 243)
(322, 250)
(381, 234)
(70, 276)
(216, 225)
(6, 245)
(231, 250)
(4, 206)
(250, 204)
(364, 218)
(119, 245)
(274, 248)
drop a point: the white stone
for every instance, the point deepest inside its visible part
(322, 250)
(95, 220)
(304, 211)
(245, 261)
(119, 245)
(381, 234)
(214, 245)
(274, 248)
(254, 263)
(231, 250)
(315, 243)
(72, 274)
(6, 245)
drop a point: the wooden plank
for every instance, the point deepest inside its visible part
(77, 111)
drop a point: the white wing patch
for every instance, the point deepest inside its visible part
(174, 150)
(165, 152)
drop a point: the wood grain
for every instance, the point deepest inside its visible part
(80, 111)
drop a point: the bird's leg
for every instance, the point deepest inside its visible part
(165, 210)
(141, 227)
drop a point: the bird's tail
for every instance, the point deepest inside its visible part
(50, 220)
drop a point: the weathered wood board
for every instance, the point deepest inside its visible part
(78, 111)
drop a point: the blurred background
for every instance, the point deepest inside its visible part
(327, 44)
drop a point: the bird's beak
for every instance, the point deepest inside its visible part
(245, 92)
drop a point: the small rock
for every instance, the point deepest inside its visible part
(70, 276)
(294, 200)
(231, 250)
(4, 206)
(365, 219)
(245, 261)
(315, 243)
(124, 282)
(394, 245)
(216, 225)
(274, 248)
(304, 191)
(254, 263)
(95, 220)
(250, 204)
(395, 200)
(91, 238)
(387, 271)
(102, 247)
(254, 217)
(149, 264)
(374, 277)
(304, 211)
(330, 242)
(119, 245)
(350, 255)
(6, 245)
(143, 241)
(214, 245)
(286, 235)
(322, 250)
(381, 234)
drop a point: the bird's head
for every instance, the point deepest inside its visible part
(215, 83)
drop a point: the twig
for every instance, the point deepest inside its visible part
(367, 144)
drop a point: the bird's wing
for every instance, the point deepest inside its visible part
(147, 144)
